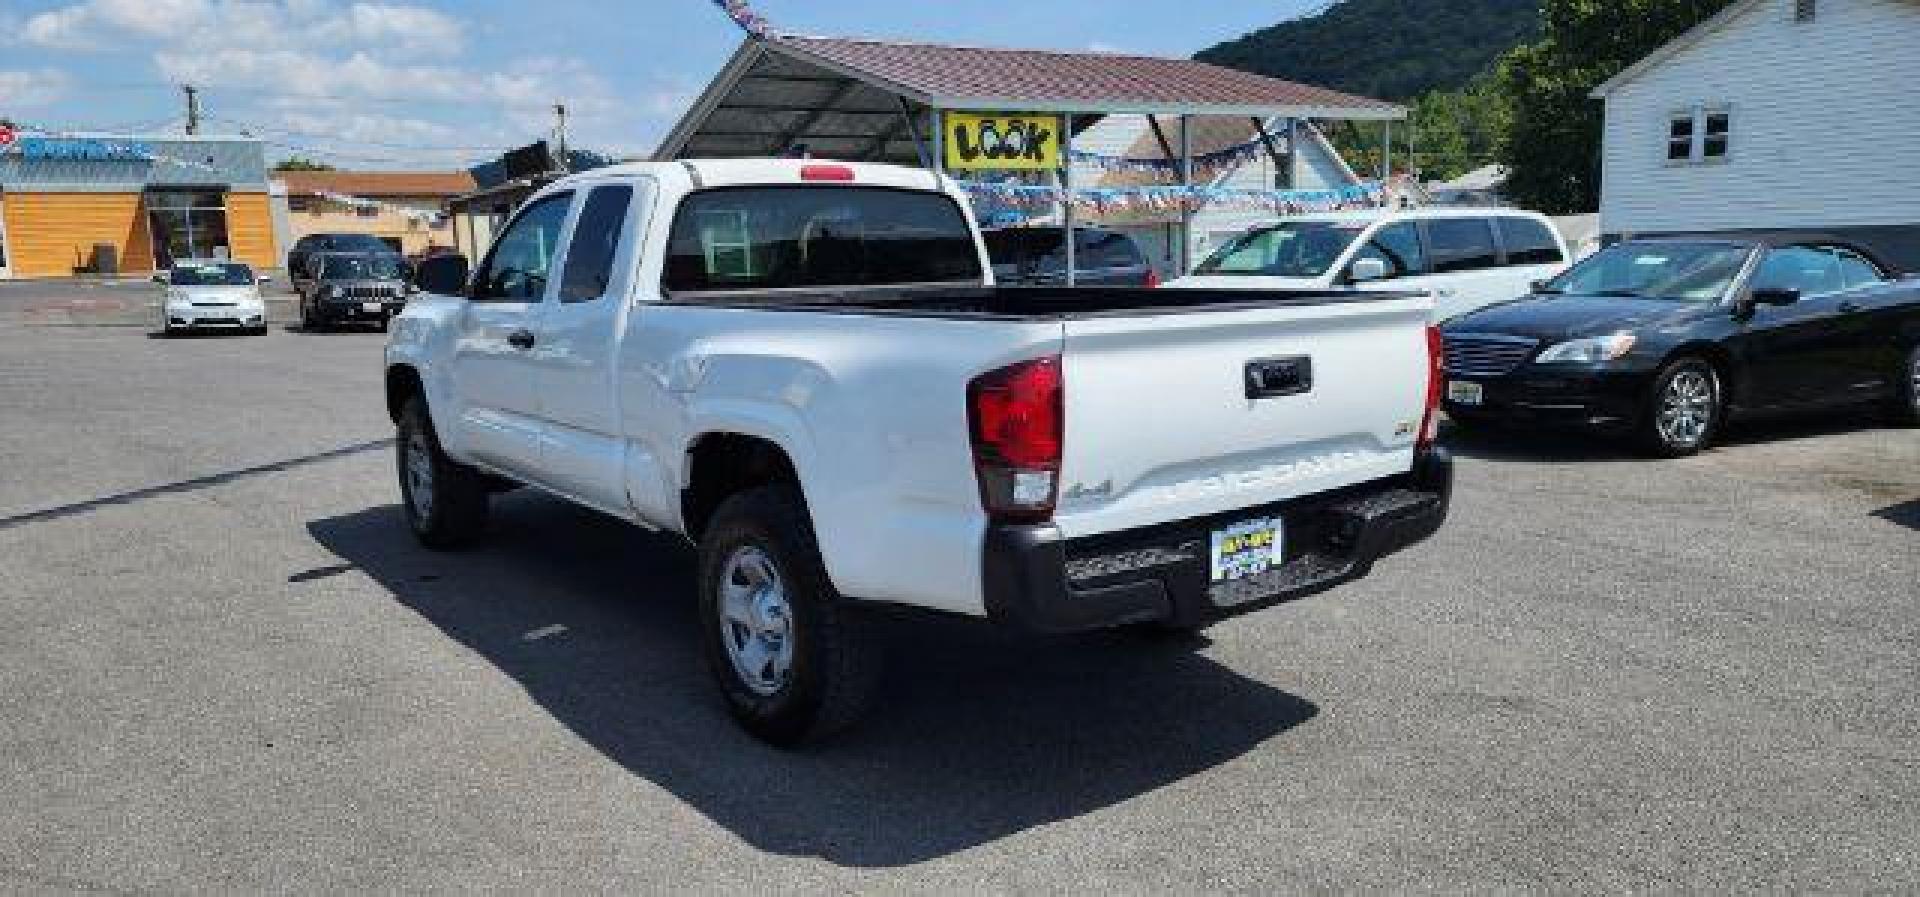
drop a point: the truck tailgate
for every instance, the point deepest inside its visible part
(1182, 415)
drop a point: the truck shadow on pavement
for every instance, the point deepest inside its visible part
(977, 734)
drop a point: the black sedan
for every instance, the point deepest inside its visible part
(1663, 340)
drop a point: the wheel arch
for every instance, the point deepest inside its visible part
(403, 383)
(1725, 367)
(721, 464)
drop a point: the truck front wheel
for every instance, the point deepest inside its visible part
(445, 501)
(793, 660)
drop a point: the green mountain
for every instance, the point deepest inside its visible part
(1386, 49)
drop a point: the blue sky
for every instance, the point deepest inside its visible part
(406, 83)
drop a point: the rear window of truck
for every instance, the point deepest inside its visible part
(747, 238)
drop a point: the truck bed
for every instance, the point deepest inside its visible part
(1023, 303)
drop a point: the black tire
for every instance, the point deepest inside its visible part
(309, 323)
(1904, 410)
(381, 324)
(1684, 409)
(454, 511)
(833, 660)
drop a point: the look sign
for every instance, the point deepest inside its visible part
(1002, 142)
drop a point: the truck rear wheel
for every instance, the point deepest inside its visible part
(445, 501)
(793, 659)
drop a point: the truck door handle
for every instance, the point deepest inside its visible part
(520, 339)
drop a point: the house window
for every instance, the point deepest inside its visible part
(1805, 10)
(1713, 140)
(1702, 135)
(1680, 137)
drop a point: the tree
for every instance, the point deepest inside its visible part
(301, 163)
(1552, 144)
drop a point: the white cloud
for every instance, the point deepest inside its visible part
(382, 80)
(34, 89)
(96, 24)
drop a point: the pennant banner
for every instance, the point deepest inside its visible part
(743, 15)
(1206, 166)
(1043, 199)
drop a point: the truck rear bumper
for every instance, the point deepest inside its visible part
(1036, 579)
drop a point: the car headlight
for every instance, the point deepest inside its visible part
(1590, 350)
(336, 292)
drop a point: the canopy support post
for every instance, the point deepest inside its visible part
(919, 145)
(1186, 198)
(1066, 197)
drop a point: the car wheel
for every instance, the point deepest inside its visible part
(794, 661)
(1905, 410)
(445, 501)
(1685, 410)
(381, 324)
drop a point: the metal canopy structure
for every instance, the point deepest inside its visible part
(866, 100)
(883, 101)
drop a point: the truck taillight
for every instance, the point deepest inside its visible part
(1016, 414)
(1436, 386)
(1153, 279)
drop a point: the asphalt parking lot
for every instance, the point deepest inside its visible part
(226, 666)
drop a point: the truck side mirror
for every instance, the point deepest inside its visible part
(442, 275)
(1367, 269)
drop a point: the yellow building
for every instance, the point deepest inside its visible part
(407, 209)
(115, 204)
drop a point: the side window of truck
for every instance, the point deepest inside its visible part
(1528, 242)
(1461, 244)
(596, 238)
(522, 259)
(1398, 245)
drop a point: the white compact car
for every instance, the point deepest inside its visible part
(1467, 258)
(212, 294)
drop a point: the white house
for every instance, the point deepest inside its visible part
(1317, 166)
(1774, 114)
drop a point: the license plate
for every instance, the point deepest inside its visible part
(372, 306)
(1247, 549)
(1465, 393)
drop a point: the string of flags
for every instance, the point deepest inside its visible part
(743, 15)
(1206, 166)
(422, 216)
(1036, 199)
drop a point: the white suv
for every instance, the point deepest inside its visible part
(1468, 258)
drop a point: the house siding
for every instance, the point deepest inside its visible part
(1825, 125)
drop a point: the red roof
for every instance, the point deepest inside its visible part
(1038, 79)
(377, 183)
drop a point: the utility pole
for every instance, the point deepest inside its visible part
(560, 110)
(193, 107)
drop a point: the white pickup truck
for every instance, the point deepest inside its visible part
(804, 368)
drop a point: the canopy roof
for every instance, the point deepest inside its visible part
(847, 98)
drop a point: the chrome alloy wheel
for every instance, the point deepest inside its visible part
(756, 621)
(419, 472)
(1686, 408)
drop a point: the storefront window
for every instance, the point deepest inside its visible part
(187, 224)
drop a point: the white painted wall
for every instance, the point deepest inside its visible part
(1825, 126)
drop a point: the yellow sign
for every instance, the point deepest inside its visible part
(1002, 142)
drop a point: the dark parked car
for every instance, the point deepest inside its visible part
(298, 258)
(1036, 256)
(1665, 339)
(353, 287)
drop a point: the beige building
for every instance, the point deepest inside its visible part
(407, 209)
